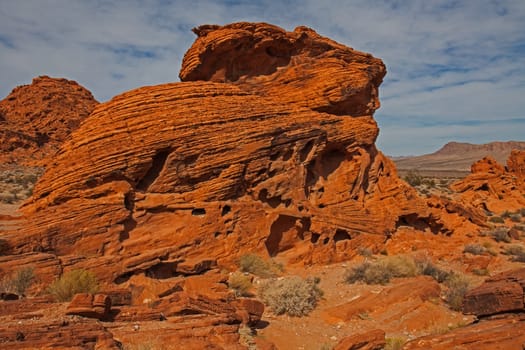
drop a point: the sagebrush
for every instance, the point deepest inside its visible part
(293, 295)
(73, 282)
(256, 265)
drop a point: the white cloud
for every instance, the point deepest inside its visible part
(447, 61)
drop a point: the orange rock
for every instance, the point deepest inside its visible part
(493, 187)
(501, 293)
(37, 118)
(491, 334)
(274, 154)
(371, 340)
(92, 306)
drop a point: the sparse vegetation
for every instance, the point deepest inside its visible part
(497, 219)
(73, 282)
(457, 286)
(413, 178)
(382, 270)
(500, 234)
(19, 282)
(475, 249)
(428, 268)
(394, 343)
(240, 283)
(515, 218)
(517, 252)
(254, 264)
(291, 295)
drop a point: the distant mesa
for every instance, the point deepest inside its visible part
(458, 156)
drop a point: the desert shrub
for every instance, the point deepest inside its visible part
(73, 282)
(366, 252)
(480, 272)
(500, 234)
(381, 271)
(368, 273)
(254, 264)
(522, 212)
(394, 343)
(506, 214)
(515, 218)
(18, 282)
(240, 283)
(519, 227)
(291, 295)
(497, 219)
(413, 178)
(428, 268)
(457, 286)
(475, 249)
(517, 252)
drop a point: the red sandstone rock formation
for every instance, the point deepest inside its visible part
(371, 340)
(275, 152)
(501, 293)
(35, 119)
(494, 187)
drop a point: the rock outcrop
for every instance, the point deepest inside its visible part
(493, 187)
(500, 293)
(274, 151)
(36, 119)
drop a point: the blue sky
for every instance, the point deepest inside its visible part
(456, 69)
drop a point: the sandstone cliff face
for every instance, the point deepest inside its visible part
(493, 187)
(274, 151)
(35, 119)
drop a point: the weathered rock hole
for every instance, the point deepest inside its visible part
(315, 238)
(162, 270)
(273, 202)
(341, 235)
(157, 164)
(198, 212)
(216, 234)
(225, 210)
(305, 151)
(326, 240)
(283, 224)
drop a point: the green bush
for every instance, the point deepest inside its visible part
(240, 283)
(18, 282)
(73, 282)
(291, 295)
(457, 286)
(254, 264)
(475, 249)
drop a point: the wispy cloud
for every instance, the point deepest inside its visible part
(455, 68)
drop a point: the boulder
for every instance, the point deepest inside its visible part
(371, 340)
(501, 293)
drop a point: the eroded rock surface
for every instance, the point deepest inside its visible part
(493, 187)
(275, 151)
(36, 119)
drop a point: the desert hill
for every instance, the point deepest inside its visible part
(214, 212)
(458, 156)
